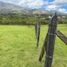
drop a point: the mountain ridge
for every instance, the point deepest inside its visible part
(9, 8)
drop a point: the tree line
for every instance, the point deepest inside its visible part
(25, 19)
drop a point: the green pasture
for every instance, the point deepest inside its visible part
(18, 47)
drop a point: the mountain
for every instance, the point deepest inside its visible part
(7, 8)
(52, 12)
(10, 8)
(38, 11)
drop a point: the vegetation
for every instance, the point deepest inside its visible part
(18, 47)
(25, 19)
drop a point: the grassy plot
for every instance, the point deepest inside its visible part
(18, 47)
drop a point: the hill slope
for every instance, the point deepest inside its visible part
(7, 7)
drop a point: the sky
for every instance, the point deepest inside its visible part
(56, 5)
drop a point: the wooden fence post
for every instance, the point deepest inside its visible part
(51, 41)
(44, 48)
(37, 32)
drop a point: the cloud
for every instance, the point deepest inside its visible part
(27, 3)
(31, 3)
(10, 1)
(58, 5)
(62, 10)
(60, 2)
(56, 8)
(55, 5)
(52, 7)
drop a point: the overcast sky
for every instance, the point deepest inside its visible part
(58, 5)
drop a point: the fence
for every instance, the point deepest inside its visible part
(49, 42)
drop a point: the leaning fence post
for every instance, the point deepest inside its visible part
(62, 37)
(51, 41)
(44, 47)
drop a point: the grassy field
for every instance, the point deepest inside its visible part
(18, 47)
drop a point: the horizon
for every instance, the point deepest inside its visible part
(50, 5)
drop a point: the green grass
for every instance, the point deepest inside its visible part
(18, 47)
